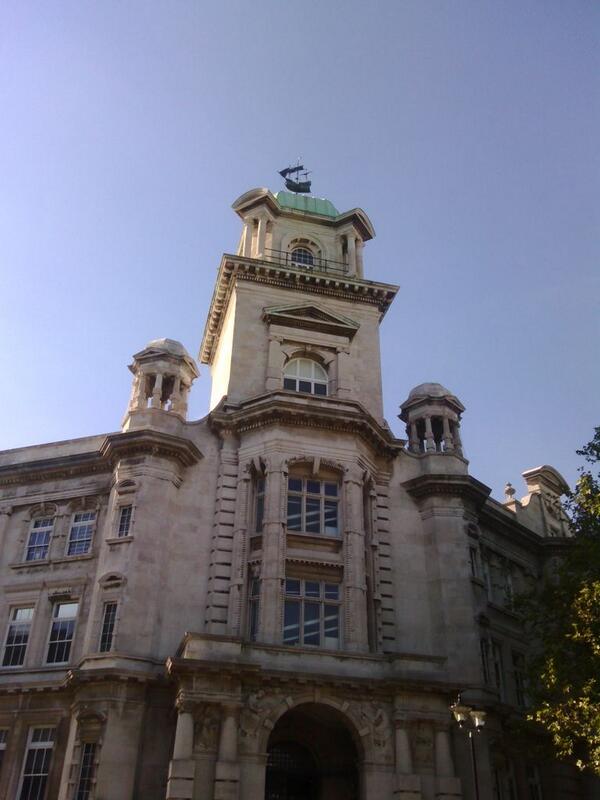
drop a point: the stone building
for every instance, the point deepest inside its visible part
(282, 599)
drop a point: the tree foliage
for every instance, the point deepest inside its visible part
(563, 618)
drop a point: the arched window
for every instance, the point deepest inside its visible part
(302, 255)
(305, 375)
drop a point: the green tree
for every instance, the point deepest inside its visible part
(563, 617)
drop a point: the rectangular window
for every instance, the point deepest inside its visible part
(487, 577)
(260, 504)
(534, 783)
(39, 539)
(86, 772)
(17, 636)
(61, 633)
(80, 535)
(474, 561)
(507, 600)
(484, 646)
(3, 740)
(109, 619)
(518, 662)
(254, 607)
(498, 669)
(311, 613)
(312, 506)
(125, 517)
(36, 766)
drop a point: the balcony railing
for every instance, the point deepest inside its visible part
(285, 259)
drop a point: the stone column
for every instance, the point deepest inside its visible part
(407, 785)
(180, 784)
(457, 439)
(157, 391)
(274, 365)
(342, 377)
(359, 258)
(227, 774)
(5, 514)
(273, 552)
(447, 786)
(237, 591)
(351, 254)
(262, 233)
(429, 440)
(355, 583)
(448, 441)
(413, 442)
(247, 245)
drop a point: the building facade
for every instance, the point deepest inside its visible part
(280, 600)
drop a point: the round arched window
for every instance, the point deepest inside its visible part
(302, 255)
(305, 375)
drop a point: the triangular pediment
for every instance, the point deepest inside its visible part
(310, 316)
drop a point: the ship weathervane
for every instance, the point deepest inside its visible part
(298, 183)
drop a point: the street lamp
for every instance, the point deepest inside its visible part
(472, 721)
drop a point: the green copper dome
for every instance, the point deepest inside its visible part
(310, 205)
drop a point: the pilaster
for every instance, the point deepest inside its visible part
(355, 584)
(273, 551)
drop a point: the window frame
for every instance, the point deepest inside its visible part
(113, 626)
(304, 261)
(302, 599)
(260, 485)
(86, 777)
(306, 497)
(498, 676)
(75, 525)
(315, 380)
(48, 529)
(46, 744)
(49, 641)
(121, 507)
(13, 610)
(254, 588)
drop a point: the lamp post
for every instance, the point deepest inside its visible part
(472, 721)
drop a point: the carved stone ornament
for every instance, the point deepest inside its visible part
(256, 710)
(374, 717)
(206, 727)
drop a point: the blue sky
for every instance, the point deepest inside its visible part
(467, 131)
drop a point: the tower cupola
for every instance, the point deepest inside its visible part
(303, 232)
(163, 373)
(432, 416)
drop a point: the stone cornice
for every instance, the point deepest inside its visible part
(113, 447)
(497, 518)
(330, 284)
(454, 485)
(313, 412)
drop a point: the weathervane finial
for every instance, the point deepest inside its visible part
(294, 184)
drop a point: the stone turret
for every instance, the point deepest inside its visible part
(432, 416)
(163, 373)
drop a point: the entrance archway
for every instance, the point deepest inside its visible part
(312, 756)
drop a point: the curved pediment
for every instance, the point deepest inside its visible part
(310, 316)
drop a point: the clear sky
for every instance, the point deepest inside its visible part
(468, 131)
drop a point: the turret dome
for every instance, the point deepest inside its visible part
(429, 390)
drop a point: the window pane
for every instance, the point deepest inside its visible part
(86, 774)
(305, 386)
(332, 591)
(331, 489)
(294, 513)
(292, 586)
(305, 368)
(260, 511)
(22, 614)
(312, 634)
(313, 515)
(331, 517)
(331, 626)
(320, 388)
(65, 610)
(313, 487)
(291, 622)
(290, 383)
(294, 484)
(125, 520)
(108, 627)
(312, 588)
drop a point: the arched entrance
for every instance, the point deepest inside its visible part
(312, 756)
